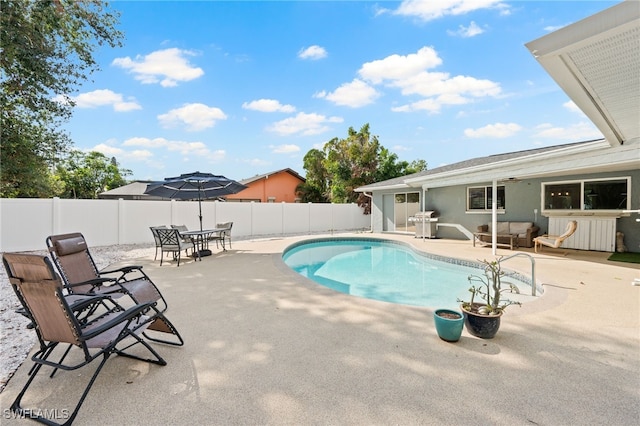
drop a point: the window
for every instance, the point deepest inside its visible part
(602, 194)
(480, 198)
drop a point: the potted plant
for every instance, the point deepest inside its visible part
(483, 312)
(449, 324)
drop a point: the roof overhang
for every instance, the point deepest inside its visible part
(597, 157)
(596, 61)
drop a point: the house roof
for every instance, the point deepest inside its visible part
(266, 175)
(579, 157)
(133, 189)
(596, 61)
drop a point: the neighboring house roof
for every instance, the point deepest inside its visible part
(596, 61)
(132, 190)
(266, 175)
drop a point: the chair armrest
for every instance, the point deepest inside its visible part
(124, 269)
(532, 232)
(483, 228)
(94, 283)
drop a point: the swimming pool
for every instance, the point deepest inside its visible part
(389, 271)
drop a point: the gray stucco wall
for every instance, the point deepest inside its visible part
(521, 200)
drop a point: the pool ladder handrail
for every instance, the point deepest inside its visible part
(533, 269)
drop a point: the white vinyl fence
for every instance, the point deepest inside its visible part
(25, 223)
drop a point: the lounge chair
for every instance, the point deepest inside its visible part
(172, 242)
(555, 241)
(41, 293)
(80, 275)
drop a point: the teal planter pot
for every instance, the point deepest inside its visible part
(449, 324)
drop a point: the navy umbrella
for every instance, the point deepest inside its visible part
(194, 186)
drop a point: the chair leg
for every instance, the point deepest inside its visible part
(31, 413)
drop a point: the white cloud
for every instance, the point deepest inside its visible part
(105, 97)
(314, 53)
(354, 94)
(411, 74)
(268, 105)
(285, 149)
(430, 10)
(471, 31)
(166, 67)
(579, 131)
(398, 67)
(498, 130)
(571, 106)
(304, 124)
(120, 154)
(194, 116)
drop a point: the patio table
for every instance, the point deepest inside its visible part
(513, 239)
(201, 240)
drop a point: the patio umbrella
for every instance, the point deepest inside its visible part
(195, 186)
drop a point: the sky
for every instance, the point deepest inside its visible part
(242, 88)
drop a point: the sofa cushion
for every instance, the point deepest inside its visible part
(503, 228)
(520, 228)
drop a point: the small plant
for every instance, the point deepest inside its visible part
(489, 288)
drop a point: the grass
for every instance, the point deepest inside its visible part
(627, 257)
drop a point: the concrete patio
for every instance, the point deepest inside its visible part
(266, 346)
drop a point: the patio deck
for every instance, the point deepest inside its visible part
(265, 346)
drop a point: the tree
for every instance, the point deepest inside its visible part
(46, 52)
(314, 190)
(346, 164)
(87, 175)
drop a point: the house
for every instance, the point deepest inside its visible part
(274, 187)
(131, 191)
(596, 61)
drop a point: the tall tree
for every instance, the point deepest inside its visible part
(87, 175)
(346, 164)
(314, 190)
(46, 52)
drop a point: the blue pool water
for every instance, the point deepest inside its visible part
(388, 271)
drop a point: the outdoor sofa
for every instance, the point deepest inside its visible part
(521, 233)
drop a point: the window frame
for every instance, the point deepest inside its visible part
(581, 182)
(487, 200)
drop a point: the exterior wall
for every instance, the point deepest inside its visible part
(280, 186)
(26, 223)
(521, 199)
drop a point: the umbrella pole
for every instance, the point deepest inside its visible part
(200, 208)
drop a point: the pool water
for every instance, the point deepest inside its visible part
(388, 271)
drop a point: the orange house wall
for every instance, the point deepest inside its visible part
(282, 186)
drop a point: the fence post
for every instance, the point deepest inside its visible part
(55, 215)
(121, 219)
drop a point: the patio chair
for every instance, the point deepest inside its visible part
(224, 235)
(555, 241)
(156, 240)
(185, 238)
(80, 275)
(113, 331)
(172, 242)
